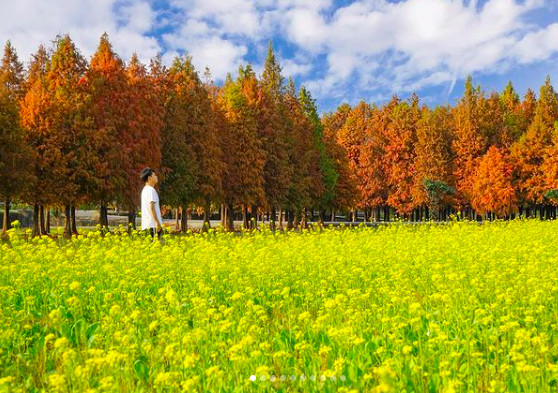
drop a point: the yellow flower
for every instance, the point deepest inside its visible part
(74, 286)
(62, 342)
(236, 296)
(6, 380)
(57, 382)
(55, 316)
(114, 310)
(74, 301)
(153, 326)
(171, 297)
(214, 372)
(324, 350)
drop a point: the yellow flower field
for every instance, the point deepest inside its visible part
(426, 308)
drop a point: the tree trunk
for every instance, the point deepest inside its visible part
(244, 217)
(67, 220)
(183, 218)
(132, 219)
(290, 219)
(104, 216)
(296, 218)
(303, 221)
(36, 225)
(47, 220)
(281, 217)
(74, 226)
(254, 217)
(230, 212)
(272, 219)
(321, 217)
(6, 219)
(207, 215)
(42, 228)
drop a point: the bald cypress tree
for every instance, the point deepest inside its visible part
(14, 152)
(530, 152)
(243, 183)
(300, 150)
(68, 144)
(110, 137)
(469, 143)
(272, 128)
(144, 118)
(433, 158)
(323, 187)
(34, 112)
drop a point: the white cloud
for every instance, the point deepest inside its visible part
(219, 55)
(418, 43)
(294, 68)
(306, 28)
(362, 48)
(29, 23)
(138, 17)
(236, 17)
(537, 45)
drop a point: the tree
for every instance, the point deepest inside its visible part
(400, 156)
(110, 138)
(324, 185)
(514, 124)
(243, 184)
(550, 169)
(493, 191)
(272, 127)
(182, 118)
(205, 141)
(15, 154)
(433, 160)
(144, 121)
(351, 136)
(469, 143)
(34, 111)
(530, 152)
(346, 192)
(436, 190)
(300, 152)
(68, 145)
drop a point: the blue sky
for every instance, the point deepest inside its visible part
(342, 51)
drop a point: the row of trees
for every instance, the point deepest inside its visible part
(74, 132)
(495, 155)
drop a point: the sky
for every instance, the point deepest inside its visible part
(342, 51)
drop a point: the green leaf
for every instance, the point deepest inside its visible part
(90, 333)
(141, 369)
(91, 329)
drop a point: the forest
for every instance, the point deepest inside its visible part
(76, 132)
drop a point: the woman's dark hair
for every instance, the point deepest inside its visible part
(145, 173)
